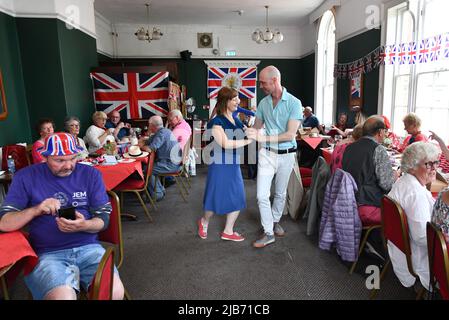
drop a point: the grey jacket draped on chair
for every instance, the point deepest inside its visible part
(340, 222)
(320, 176)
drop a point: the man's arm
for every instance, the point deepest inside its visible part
(384, 172)
(289, 135)
(15, 219)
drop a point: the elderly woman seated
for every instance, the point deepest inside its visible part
(419, 163)
(97, 135)
(412, 124)
(45, 127)
(72, 125)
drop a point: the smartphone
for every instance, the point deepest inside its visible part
(68, 213)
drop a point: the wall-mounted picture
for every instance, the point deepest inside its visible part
(3, 107)
(356, 91)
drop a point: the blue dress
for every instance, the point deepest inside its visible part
(225, 192)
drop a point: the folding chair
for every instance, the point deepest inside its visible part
(438, 260)
(102, 284)
(395, 230)
(366, 230)
(182, 172)
(137, 186)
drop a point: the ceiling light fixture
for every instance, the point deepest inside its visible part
(143, 34)
(267, 36)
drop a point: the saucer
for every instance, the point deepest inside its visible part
(126, 160)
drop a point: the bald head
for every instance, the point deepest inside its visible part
(372, 126)
(270, 80)
(114, 116)
(271, 72)
(308, 111)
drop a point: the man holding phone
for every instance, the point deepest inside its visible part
(68, 250)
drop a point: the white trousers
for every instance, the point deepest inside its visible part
(272, 165)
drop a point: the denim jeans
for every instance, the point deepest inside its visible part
(160, 167)
(270, 165)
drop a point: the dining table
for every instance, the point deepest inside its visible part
(115, 174)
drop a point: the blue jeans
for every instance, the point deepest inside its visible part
(71, 267)
(160, 167)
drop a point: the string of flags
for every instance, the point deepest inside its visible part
(427, 50)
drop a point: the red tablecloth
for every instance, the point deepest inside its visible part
(113, 175)
(312, 142)
(14, 247)
(327, 155)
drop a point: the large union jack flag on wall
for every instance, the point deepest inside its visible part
(134, 95)
(241, 79)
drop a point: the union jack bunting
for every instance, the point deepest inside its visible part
(392, 56)
(446, 46)
(402, 53)
(424, 51)
(344, 73)
(412, 53)
(435, 48)
(241, 79)
(361, 67)
(368, 63)
(133, 95)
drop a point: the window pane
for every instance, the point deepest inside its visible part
(435, 21)
(400, 103)
(432, 102)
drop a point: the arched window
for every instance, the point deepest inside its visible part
(325, 60)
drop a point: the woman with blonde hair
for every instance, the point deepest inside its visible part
(412, 124)
(97, 135)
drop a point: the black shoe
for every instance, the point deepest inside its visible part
(169, 183)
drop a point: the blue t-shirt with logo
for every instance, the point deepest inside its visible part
(83, 189)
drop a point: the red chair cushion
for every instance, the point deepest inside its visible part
(130, 184)
(305, 172)
(392, 224)
(306, 182)
(19, 154)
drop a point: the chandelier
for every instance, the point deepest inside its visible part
(143, 34)
(267, 36)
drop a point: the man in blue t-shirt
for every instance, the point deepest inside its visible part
(68, 250)
(310, 120)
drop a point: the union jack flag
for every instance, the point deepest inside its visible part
(402, 53)
(379, 56)
(392, 56)
(412, 52)
(133, 95)
(368, 63)
(435, 48)
(241, 79)
(424, 51)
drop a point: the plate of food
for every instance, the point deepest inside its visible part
(87, 163)
(126, 160)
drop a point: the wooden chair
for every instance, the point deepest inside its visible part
(102, 284)
(137, 186)
(182, 173)
(395, 230)
(438, 260)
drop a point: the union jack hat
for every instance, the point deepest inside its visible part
(61, 144)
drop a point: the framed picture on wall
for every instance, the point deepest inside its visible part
(356, 91)
(3, 107)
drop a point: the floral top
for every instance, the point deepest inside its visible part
(440, 214)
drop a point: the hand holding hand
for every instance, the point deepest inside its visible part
(110, 130)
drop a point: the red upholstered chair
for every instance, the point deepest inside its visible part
(366, 230)
(137, 186)
(113, 234)
(102, 284)
(19, 154)
(306, 176)
(438, 260)
(395, 229)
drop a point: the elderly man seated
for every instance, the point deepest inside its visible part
(180, 128)
(168, 153)
(368, 162)
(121, 129)
(310, 120)
(419, 163)
(68, 250)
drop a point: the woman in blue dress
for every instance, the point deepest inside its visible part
(224, 194)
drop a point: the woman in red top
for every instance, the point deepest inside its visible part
(412, 124)
(45, 127)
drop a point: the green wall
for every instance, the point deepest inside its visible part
(307, 80)
(354, 49)
(16, 127)
(56, 64)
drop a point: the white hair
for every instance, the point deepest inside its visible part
(156, 121)
(176, 113)
(417, 152)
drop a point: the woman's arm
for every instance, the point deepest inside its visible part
(223, 141)
(440, 141)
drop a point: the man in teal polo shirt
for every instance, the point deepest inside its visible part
(280, 114)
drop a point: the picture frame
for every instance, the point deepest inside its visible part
(3, 106)
(356, 91)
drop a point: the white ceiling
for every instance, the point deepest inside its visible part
(208, 12)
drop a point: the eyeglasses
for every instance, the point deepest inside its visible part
(74, 125)
(432, 164)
